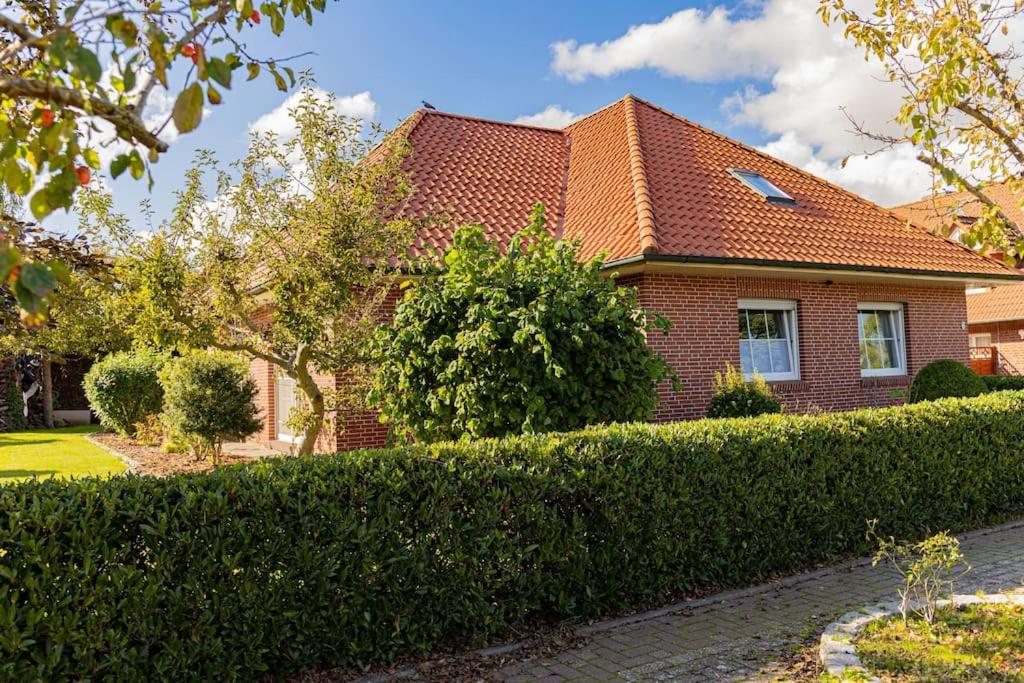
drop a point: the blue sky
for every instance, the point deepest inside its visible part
(763, 71)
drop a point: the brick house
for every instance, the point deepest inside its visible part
(995, 315)
(758, 264)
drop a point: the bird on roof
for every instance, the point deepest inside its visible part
(428, 105)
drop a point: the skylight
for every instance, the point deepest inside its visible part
(761, 185)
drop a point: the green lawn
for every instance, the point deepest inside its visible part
(53, 453)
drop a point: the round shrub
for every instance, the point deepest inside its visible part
(736, 397)
(527, 341)
(945, 379)
(124, 388)
(209, 399)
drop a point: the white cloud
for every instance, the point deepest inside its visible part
(812, 82)
(278, 120)
(893, 176)
(552, 116)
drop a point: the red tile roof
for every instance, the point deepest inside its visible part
(633, 179)
(996, 305)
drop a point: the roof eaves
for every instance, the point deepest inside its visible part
(1016, 277)
(641, 189)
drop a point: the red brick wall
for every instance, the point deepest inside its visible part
(1008, 340)
(704, 337)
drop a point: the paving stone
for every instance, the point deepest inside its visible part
(736, 635)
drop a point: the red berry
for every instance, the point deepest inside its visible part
(46, 118)
(188, 51)
(84, 175)
(255, 16)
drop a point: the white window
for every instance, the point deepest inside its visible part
(981, 341)
(285, 399)
(883, 349)
(768, 339)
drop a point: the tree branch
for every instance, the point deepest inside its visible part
(118, 116)
(970, 187)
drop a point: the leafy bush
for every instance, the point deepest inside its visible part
(346, 559)
(123, 388)
(736, 397)
(945, 379)
(1004, 382)
(208, 399)
(528, 341)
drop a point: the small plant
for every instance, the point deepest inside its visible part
(123, 389)
(150, 431)
(926, 568)
(945, 379)
(208, 399)
(735, 396)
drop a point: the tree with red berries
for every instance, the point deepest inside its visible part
(80, 75)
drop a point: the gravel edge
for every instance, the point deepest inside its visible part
(838, 653)
(132, 465)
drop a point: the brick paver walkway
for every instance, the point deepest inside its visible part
(735, 636)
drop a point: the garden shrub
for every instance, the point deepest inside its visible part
(526, 341)
(945, 379)
(123, 388)
(1004, 382)
(209, 398)
(260, 570)
(736, 397)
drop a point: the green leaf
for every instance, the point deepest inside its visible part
(135, 164)
(254, 70)
(8, 259)
(26, 299)
(219, 71)
(188, 108)
(280, 82)
(38, 279)
(129, 79)
(40, 205)
(119, 165)
(86, 64)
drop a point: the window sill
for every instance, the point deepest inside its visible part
(884, 381)
(788, 384)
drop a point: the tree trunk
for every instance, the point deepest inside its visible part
(47, 382)
(316, 401)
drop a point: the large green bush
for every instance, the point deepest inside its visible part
(366, 556)
(736, 397)
(123, 388)
(945, 379)
(1004, 382)
(526, 341)
(209, 398)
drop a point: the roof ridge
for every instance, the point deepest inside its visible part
(641, 190)
(479, 119)
(820, 181)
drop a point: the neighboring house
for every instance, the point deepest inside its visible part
(758, 264)
(953, 212)
(995, 316)
(996, 327)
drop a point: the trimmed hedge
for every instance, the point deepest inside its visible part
(365, 556)
(1004, 382)
(945, 379)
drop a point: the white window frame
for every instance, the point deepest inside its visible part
(901, 339)
(793, 337)
(278, 421)
(974, 338)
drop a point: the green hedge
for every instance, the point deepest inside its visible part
(1004, 382)
(360, 557)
